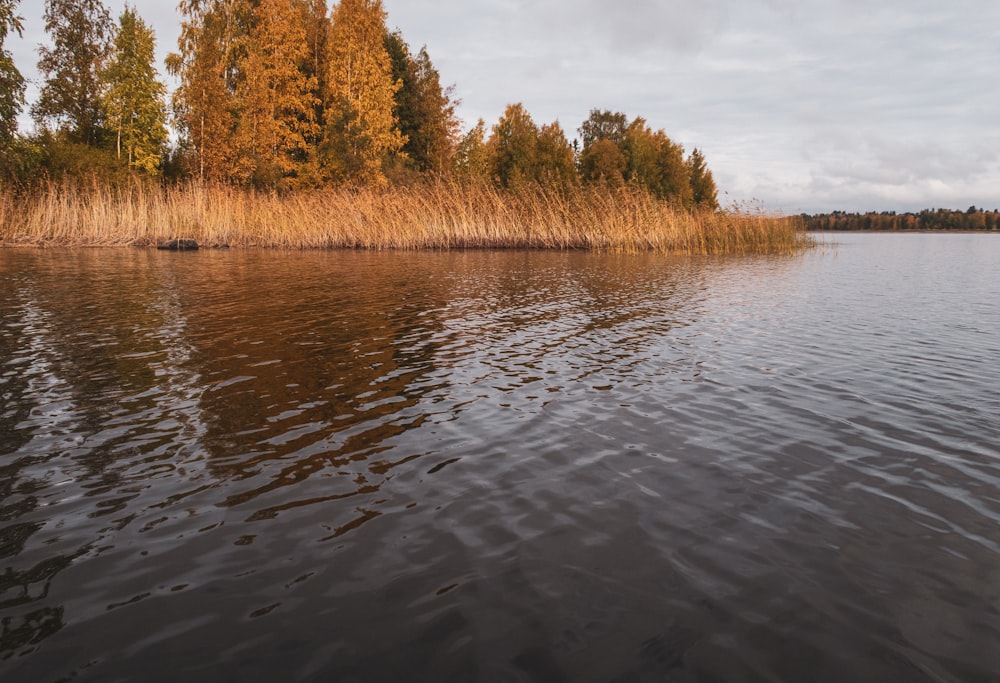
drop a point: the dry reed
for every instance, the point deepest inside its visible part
(439, 215)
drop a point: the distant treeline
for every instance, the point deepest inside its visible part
(294, 94)
(928, 219)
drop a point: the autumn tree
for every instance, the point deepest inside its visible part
(316, 67)
(656, 163)
(11, 80)
(513, 147)
(602, 159)
(71, 93)
(212, 41)
(603, 162)
(276, 98)
(604, 125)
(133, 95)
(361, 127)
(554, 158)
(704, 192)
(424, 110)
(616, 151)
(472, 156)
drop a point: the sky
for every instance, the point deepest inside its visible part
(798, 105)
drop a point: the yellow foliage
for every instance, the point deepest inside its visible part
(362, 128)
(278, 104)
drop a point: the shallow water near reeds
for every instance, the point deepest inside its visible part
(510, 466)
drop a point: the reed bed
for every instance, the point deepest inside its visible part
(442, 215)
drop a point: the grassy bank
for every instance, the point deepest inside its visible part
(435, 216)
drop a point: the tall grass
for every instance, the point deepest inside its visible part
(440, 215)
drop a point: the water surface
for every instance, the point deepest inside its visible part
(515, 466)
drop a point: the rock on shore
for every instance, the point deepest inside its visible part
(178, 245)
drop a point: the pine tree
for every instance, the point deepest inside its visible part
(11, 80)
(133, 95)
(425, 111)
(71, 94)
(276, 97)
(703, 190)
(361, 128)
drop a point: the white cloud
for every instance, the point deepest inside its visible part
(802, 104)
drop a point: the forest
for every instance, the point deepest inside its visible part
(289, 94)
(296, 123)
(889, 221)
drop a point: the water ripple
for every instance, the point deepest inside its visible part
(485, 466)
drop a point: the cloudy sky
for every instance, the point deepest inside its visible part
(798, 105)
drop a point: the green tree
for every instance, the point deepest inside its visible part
(276, 97)
(361, 128)
(603, 162)
(71, 94)
(133, 95)
(11, 80)
(472, 156)
(513, 148)
(602, 158)
(657, 163)
(703, 190)
(604, 125)
(554, 158)
(425, 111)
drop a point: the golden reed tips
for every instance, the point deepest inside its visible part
(441, 215)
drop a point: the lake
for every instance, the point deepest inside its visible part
(502, 466)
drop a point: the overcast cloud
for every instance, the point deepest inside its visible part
(800, 105)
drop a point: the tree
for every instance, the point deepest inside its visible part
(133, 95)
(554, 159)
(276, 97)
(513, 147)
(212, 39)
(425, 111)
(71, 94)
(602, 159)
(604, 125)
(11, 80)
(362, 131)
(603, 162)
(472, 158)
(317, 33)
(656, 163)
(704, 192)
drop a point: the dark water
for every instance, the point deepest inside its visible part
(231, 466)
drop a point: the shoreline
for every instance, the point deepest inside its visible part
(433, 216)
(938, 231)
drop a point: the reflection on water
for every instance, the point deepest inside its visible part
(501, 466)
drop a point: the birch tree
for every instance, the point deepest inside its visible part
(361, 131)
(276, 96)
(134, 96)
(70, 97)
(11, 80)
(211, 42)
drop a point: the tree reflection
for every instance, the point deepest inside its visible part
(162, 396)
(316, 378)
